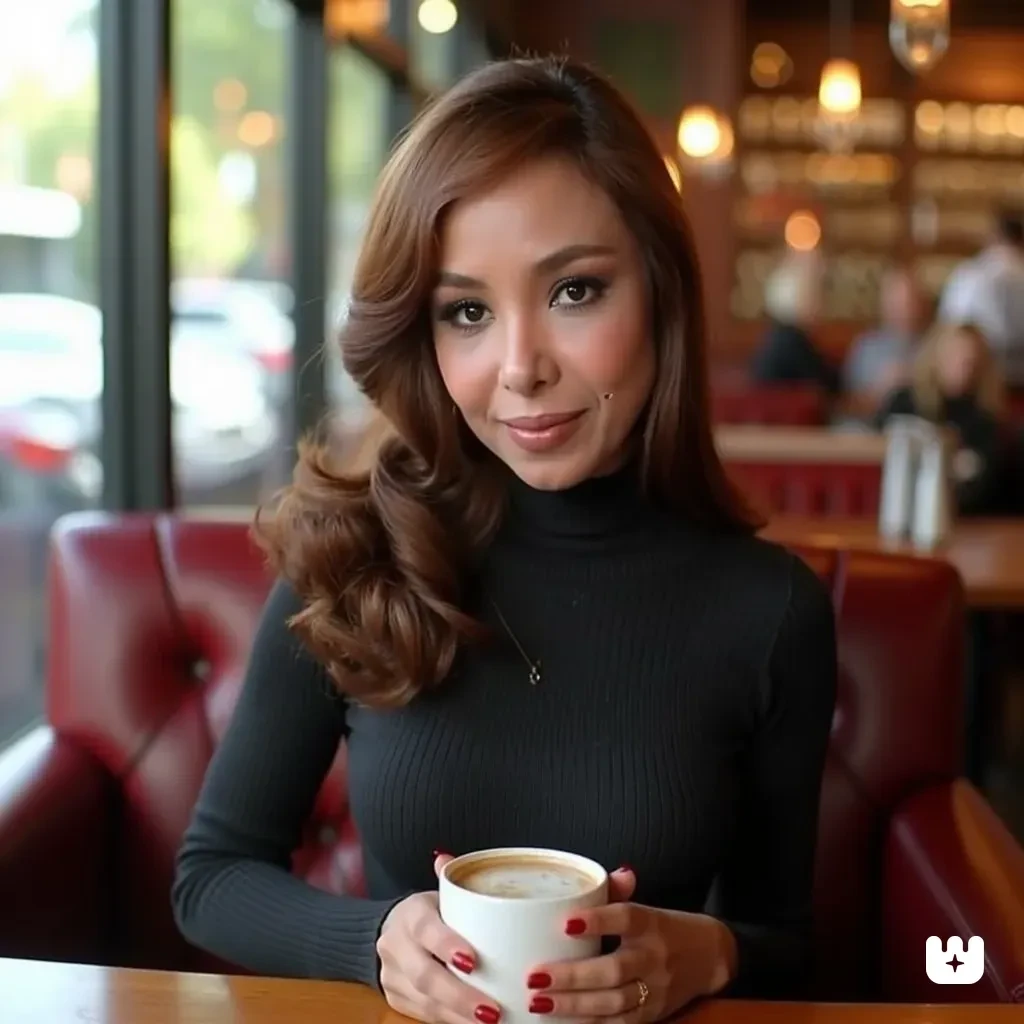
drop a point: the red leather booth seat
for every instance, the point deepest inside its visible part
(789, 405)
(810, 488)
(1015, 406)
(151, 620)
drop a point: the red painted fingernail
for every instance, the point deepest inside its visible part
(575, 926)
(487, 1015)
(625, 867)
(441, 853)
(541, 1004)
(539, 979)
(463, 962)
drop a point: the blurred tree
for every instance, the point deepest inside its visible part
(229, 78)
(359, 92)
(230, 68)
(52, 127)
(231, 41)
(209, 236)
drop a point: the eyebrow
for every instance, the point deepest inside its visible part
(548, 265)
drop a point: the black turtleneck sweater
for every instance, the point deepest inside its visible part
(680, 726)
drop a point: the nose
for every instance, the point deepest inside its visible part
(526, 364)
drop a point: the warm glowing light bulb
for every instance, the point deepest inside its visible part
(770, 65)
(437, 16)
(802, 232)
(839, 91)
(699, 133)
(257, 128)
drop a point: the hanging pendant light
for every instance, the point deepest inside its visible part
(355, 17)
(919, 32)
(839, 92)
(706, 141)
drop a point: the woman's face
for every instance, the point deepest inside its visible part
(541, 324)
(959, 360)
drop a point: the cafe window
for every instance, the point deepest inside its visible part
(232, 338)
(434, 32)
(358, 148)
(51, 338)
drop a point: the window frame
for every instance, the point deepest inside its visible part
(134, 222)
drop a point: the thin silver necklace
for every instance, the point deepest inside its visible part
(533, 666)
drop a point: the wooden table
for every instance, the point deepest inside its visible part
(750, 443)
(46, 993)
(988, 553)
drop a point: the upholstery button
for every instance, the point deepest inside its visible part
(327, 836)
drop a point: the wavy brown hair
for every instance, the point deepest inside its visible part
(380, 555)
(988, 387)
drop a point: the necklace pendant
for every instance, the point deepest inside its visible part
(535, 674)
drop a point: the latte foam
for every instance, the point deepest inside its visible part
(523, 878)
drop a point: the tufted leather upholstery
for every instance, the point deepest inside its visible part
(790, 405)
(809, 488)
(151, 620)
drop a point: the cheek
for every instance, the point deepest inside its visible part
(465, 379)
(619, 355)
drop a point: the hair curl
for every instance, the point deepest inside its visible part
(380, 554)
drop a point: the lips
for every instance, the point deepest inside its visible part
(539, 434)
(538, 423)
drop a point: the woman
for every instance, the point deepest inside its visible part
(788, 353)
(541, 617)
(956, 383)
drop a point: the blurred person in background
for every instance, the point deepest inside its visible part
(988, 290)
(880, 360)
(955, 382)
(789, 353)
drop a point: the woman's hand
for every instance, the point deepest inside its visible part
(665, 960)
(413, 947)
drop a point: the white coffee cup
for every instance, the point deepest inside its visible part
(511, 905)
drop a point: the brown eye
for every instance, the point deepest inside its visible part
(578, 292)
(466, 314)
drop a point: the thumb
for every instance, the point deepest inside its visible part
(621, 885)
(440, 859)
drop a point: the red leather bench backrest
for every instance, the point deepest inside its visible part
(809, 488)
(790, 405)
(897, 728)
(151, 624)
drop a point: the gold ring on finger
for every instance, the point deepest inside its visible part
(645, 992)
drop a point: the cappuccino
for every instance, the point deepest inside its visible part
(511, 905)
(524, 877)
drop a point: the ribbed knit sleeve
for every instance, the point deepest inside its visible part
(233, 894)
(766, 886)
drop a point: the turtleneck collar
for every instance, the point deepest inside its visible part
(597, 511)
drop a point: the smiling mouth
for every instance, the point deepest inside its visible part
(538, 434)
(537, 424)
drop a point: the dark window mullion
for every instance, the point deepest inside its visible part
(308, 206)
(401, 106)
(134, 177)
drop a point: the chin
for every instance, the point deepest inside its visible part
(550, 476)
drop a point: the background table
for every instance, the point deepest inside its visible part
(988, 553)
(34, 992)
(791, 445)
